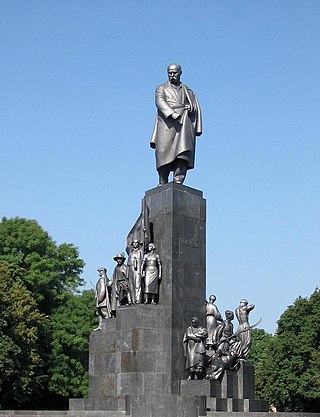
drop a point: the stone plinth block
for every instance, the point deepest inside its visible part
(102, 342)
(251, 405)
(217, 404)
(166, 406)
(245, 381)
(195, 387)
(229, 386)
(100, 403)
(209, 388)
(103, 385)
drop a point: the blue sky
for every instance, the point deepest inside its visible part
(77, 111)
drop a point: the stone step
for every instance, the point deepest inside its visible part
(33, 413)
(259, 414)
(70, 413)
(105, 413)
(100, 413)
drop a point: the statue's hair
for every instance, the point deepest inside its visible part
(177, 65)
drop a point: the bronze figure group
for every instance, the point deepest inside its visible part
(212, 350)
(131, 283)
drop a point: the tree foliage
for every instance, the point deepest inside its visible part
(68, 361)
(260, 344)
(51, 272)
(21, 323)
(44, 322)
(289, 372)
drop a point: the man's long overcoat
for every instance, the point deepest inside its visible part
(176, 138)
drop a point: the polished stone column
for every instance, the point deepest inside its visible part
(178, 217)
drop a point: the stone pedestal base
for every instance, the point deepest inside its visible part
(167, 406)
(235, 392)
(136, 362)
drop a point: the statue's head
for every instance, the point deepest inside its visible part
(135, 243)
(120, 258)
(212, 298)
(229, 314)
(174, 73)
(151, 247)
(102, 271)
(194, 322)
(244, 302)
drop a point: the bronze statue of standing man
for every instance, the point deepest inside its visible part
(120, 284)
(178, 122)
(103, 287)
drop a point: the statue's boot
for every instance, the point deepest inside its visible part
(164, 172)
(180, 171)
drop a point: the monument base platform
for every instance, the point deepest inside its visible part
(95, 413)
(232, 393)
(143, 406)
(136, 361)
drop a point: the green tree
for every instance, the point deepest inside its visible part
(51, 272)
(259, 355)
(68, 362)
(45, 277)
(21, 364)
(290, 373)
(259, 347)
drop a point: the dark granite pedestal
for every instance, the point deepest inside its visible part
(136, 363)
(234, 392)
(130, 361)
(136, 360)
